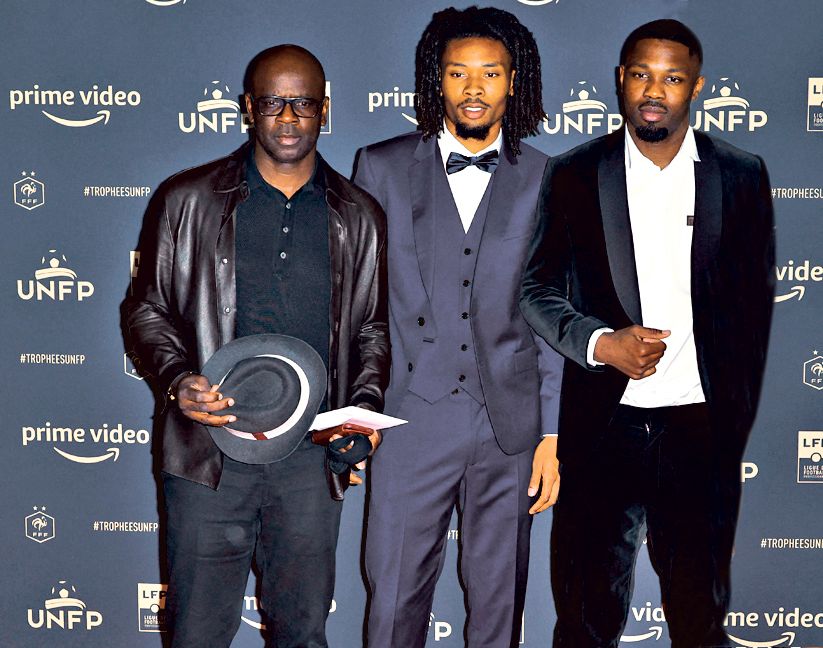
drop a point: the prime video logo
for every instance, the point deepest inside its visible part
(395, 98)
(58, 100)
(798, 274)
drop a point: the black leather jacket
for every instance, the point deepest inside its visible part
(182, 308)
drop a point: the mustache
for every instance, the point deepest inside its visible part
(473, 102)
(653, 104)
(285, 132)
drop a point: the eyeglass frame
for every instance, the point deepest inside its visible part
(287, 101)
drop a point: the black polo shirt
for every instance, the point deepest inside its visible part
(283, 270)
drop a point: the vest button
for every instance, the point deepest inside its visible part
(461, 378)
(420, 321)
(455, 392)
(463, 347)
(411, 366)
(466, 282)
(224, 260)
(465, 315)
(467, 251)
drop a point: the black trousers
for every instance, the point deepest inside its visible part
(281, 514)
(663, 470)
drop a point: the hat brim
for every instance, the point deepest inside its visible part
(269, 450)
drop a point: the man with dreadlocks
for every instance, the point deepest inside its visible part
(478, 388)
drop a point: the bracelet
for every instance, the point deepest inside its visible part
(170, 392)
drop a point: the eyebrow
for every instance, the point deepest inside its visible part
(646, 66)
(457, 64)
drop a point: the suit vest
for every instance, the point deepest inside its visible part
(452, 364)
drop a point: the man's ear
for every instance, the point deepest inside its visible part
(698, 86)
(249, 109)
(324, 111)
(511, 83)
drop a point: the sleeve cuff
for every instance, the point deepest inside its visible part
(592, 343)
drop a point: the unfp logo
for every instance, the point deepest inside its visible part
(65, 102)
(810, 457)
(29, 192)
(815, 122)
(40, 526)
(64, 609)
(583, 113)
(218, 113)
(151, 607)
(813, 372)
(725, 109)
(54, 281)
(797, 274)
(394, 99)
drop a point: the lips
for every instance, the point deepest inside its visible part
(652, 112)
(473, 110)
(287, 139)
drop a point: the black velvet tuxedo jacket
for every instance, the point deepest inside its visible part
(581, 276)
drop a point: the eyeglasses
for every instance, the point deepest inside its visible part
(272, 106)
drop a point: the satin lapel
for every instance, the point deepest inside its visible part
(614, 209)
(708, 215)
(421, 185)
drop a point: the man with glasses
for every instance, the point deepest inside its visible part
(267, 240)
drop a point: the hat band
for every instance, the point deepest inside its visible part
(290, 422)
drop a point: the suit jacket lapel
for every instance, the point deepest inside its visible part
(505, 188)
(421, 184)
(708, 215)
(614, 208)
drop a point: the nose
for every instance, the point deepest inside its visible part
(654, 89)
(473, 87)
(287, 115)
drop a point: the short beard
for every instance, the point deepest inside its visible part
(471, 132)
(651, 134)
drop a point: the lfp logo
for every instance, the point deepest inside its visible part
(815, 122)
(725, 109)
(583, 113)
(810, 457)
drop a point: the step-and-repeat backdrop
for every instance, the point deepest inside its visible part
(102, 100)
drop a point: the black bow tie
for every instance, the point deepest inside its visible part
(457, 162)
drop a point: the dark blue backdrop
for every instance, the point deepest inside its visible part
(105, 99)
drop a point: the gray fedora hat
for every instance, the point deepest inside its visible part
(278, 383)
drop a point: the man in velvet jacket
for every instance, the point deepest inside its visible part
(652, 273)
(478, 388)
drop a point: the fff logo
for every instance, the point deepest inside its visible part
(29, 192)
(813, 372)
(40, 526)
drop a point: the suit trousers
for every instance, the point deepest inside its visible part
(446, 456)
(281, 515)
(659, 473)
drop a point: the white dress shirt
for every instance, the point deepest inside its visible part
(469, 184)
(661, 212)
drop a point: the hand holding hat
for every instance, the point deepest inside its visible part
(202, 402)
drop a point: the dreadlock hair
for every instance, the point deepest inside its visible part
(524, 111)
